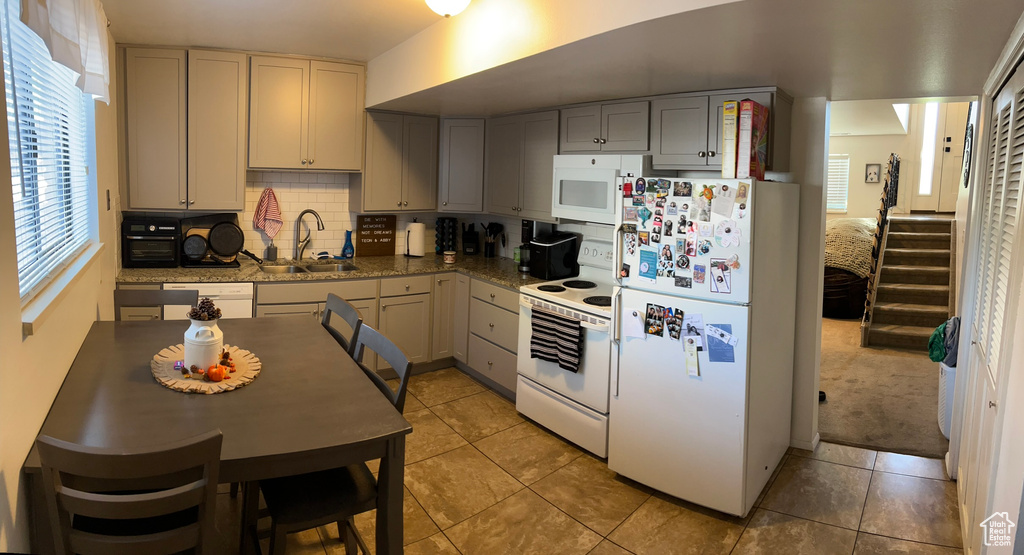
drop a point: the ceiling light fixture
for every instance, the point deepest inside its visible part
(448, 8)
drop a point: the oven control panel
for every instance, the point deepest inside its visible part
(596, 254)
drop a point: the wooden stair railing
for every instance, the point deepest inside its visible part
(890, 194)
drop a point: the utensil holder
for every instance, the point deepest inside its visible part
(489, 250)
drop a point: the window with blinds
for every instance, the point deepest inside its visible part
(46, 123)
(838, 182)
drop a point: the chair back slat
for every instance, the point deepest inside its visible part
(349, 314)
(132, 505)
(372, 339)
(171, 541)
(87, 485)
(152, 297)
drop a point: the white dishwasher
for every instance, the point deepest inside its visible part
(233, 299)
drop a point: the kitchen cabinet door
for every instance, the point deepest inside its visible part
(461, 180)
(503, 165)
(155, 101)
(581, 129)
(368, 312)
(540, 144)
(217, 89)
(714, 158)
(335, 116)
(679, 131)
(296, 309)
(406, 322)
(419, 163)
(442, 341)
(279, 113)
(625, 126)
(382, 186)
(460, 317)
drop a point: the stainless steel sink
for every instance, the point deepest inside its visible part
(342, 267)
(283, 269)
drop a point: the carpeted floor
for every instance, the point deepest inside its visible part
(879, 398)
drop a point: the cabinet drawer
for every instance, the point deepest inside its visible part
(316, 292)
(493, 361)
(505, 298)
(494, 324)
(298, 309)
(406, 285)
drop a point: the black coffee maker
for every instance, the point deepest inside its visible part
(470, 239)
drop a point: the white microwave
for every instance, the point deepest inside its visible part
(586, 187)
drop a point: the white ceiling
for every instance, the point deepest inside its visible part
(348, 29)
(865, 117)
(841, 49)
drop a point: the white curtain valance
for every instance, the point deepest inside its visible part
(75, 32)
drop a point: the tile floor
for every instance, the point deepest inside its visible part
(480, 479)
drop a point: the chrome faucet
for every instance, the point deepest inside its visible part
(301, 245)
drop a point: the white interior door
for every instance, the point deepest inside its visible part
(941, 156)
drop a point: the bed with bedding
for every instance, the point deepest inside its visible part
(847, 266)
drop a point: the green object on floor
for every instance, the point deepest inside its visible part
(937, 344)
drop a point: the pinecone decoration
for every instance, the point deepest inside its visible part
(205, 311)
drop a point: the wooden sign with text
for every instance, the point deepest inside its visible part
(375, 235)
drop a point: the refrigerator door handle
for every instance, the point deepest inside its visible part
(616, 309)
(617, 258)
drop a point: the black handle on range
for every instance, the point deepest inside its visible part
(252, 256)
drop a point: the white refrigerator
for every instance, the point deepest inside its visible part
(701, 388)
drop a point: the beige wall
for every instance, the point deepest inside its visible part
(34, 367)
(863, 198)
(494, 32)
(810, 143)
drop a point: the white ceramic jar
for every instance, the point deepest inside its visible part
(203, 344)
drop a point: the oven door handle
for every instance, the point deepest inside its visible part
(598, 327)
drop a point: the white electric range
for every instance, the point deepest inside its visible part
(572, 404)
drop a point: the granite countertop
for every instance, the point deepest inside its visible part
(502, 271)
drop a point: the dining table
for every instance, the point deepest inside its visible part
(310, 408)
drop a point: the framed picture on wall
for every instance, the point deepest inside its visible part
(872, 173)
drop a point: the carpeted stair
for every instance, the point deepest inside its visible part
(913, 284)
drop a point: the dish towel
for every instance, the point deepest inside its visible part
(557, 339)
(268, 214)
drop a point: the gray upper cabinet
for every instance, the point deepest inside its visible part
(461, 178)
(185, 129)
(686, 130)
(401, 164)
(306, 114)
(520, 164)
(217, 89)
(617, 127)
(155, 110)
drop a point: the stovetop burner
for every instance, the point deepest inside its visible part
(579, 284)
(551, 288)
(600, 300)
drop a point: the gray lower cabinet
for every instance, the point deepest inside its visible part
(405, 320)
(460, 318)
(442, 343)
(493, 333)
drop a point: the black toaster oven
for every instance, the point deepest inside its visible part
(150, 243)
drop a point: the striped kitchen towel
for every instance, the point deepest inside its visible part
(557, 339)
(268, 214)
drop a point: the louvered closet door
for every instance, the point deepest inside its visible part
(998, 274)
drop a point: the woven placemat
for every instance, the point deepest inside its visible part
(247, 367)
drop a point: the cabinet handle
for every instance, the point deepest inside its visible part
(489, 363)
(439, 282)
(711, 153)
(492, 325)
(445, 203)
(399, 203)
(191, 202)
(406, 287)
(303, 161)
(991, 404)
(603, 141)
(406, 203)
(492, 296)
(182, 201)
(383, 307)
(596, 140)
(702, 154)
(310, 161)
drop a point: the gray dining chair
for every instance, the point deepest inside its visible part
(156, 500)
(297, 503)
(135, 298)
(349, 314)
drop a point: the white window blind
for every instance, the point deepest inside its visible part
(46, 122)
(838, 182)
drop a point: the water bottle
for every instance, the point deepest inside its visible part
(348, 251)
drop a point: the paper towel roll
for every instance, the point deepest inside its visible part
(414, 234)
